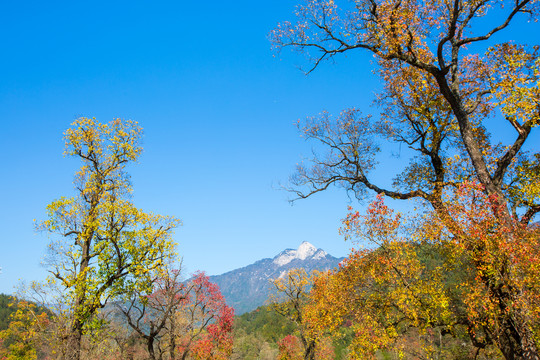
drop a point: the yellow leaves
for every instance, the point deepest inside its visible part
(107, 246)
(527, 185)
(515, 82)
(404, 288)
(110, 145)
(23, 334)
(436, 105)
(292, 302)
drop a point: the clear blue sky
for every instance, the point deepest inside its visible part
(217, 109)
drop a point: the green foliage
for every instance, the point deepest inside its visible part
(263, 328)
(5, 310)
(266, 323)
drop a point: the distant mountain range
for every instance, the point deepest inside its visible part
(247, 288)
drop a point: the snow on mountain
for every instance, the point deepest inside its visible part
(285, 257)
(319, 254)
(304, 251)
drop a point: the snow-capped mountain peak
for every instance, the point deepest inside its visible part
(304, 251)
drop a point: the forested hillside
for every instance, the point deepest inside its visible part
(5, 310)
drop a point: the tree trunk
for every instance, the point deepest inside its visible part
(515, 344)
(150, 347)
(310, 351)
(309, 348)
(172, 345)
(73, 345)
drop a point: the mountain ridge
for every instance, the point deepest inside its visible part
(248, 287)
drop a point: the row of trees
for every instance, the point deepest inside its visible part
(466, 265)
(178, 320)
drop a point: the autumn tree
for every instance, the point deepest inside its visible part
(151, 314)
(503, 297)
(207, 322)
(435, 100)
(407, 293)
(437, 94)
(104, 246)
(180, 320)
(290, 301)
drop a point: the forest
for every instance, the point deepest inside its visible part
(457, 277)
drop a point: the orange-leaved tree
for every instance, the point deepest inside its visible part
(388, 293)
(291, 301)
(435, 100)
(502, 296)
(424, 291)
(437, 94)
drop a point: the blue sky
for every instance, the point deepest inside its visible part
(218, 111)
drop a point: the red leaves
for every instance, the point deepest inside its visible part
(378, 226)
(211, 337)
(290, 348)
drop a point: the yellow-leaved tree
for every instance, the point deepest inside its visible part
(102, 245)
(291, 300)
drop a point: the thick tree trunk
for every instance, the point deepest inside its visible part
(172, 345)
(515, 340)
(310, 351)
(516, 344)
(73, 344)
(150, 347)
(309, 348)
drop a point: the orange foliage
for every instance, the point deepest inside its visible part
(462, 276)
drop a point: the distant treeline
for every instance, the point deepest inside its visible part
(5, 310)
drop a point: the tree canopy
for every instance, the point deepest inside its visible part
(104, 246)
(437, 97)
(445, 83)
